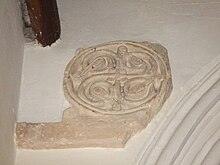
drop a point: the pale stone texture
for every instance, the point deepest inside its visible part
(115, 90)
(189, 29)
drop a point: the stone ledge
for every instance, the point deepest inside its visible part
(82, 130)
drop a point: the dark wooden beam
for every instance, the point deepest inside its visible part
(44, 20)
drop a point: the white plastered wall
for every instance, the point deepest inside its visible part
(11, 56)
(189, 29)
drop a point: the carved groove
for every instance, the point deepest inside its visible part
(187, 135)
(117, 77)
(118, 86)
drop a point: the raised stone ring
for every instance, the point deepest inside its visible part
(118, 77)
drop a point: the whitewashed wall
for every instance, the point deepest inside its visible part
(189, 29)
(11, 56)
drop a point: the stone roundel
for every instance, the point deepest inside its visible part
(118, 77)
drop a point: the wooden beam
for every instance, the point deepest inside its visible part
(44, 20)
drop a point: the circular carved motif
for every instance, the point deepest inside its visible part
(118, 77)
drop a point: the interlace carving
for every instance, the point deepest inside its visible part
(118, 86)
(116, 78)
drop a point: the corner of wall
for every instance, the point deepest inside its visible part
(11, 59)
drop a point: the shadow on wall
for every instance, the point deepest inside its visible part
(11, 58)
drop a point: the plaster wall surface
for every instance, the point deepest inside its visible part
(189, 30)
(11, 57)
(190, 34)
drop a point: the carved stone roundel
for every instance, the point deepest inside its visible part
(118, 77)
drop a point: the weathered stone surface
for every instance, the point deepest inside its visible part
(115, 90)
